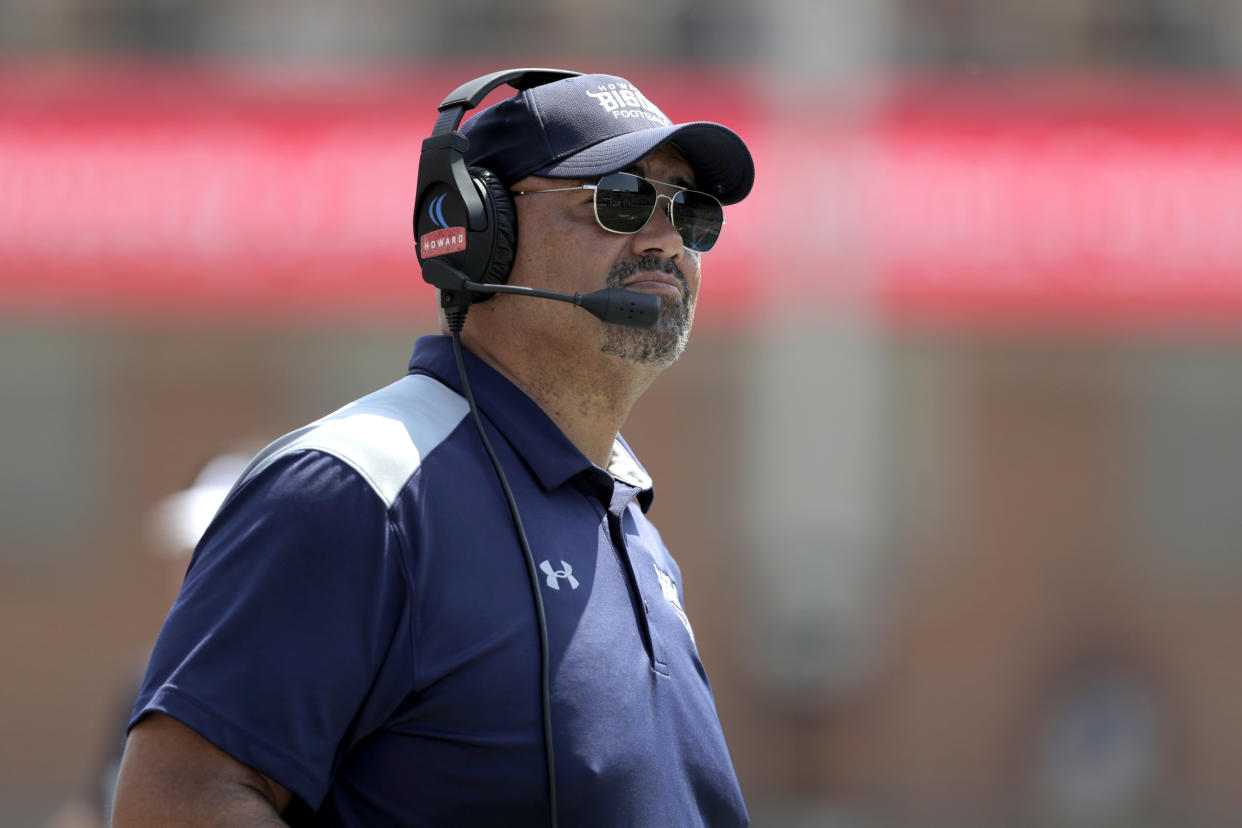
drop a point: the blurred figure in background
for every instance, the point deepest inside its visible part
(173, 528)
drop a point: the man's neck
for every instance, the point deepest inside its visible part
(588, 398)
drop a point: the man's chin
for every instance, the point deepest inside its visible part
(659, 346)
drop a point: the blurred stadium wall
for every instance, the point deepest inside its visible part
(951, 466)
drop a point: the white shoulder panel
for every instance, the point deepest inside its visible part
(383, 436)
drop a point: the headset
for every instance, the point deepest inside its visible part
(465, 227)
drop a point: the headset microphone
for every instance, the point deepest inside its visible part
(612, 305)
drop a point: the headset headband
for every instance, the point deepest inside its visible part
(471, 93)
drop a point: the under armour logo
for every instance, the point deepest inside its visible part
(555, 575)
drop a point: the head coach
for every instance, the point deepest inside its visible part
(444, 604)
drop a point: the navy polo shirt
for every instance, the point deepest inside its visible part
(358, 625)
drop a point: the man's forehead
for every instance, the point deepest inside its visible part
(667, 163)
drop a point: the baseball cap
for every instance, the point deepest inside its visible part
(588, 126)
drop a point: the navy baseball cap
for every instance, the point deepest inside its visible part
(592, 125)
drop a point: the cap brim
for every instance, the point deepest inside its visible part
(721, 162)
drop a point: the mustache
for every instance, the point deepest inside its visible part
(622, 271)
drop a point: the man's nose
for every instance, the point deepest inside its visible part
(659, 235)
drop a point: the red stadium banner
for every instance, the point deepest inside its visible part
(158, 191)
(1119, 203)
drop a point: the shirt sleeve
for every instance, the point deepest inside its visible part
(294, 600)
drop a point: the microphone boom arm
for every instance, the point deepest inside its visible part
(611, 305)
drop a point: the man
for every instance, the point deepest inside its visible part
(355, 642)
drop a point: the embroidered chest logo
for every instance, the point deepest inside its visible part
(555, 576)
(669, 588)
(622, 101)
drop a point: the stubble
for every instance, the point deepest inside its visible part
(662, 344)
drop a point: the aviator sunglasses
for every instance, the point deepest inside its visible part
(625, 202)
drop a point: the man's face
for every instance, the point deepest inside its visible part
(562, 247)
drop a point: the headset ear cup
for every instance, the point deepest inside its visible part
(504, 225)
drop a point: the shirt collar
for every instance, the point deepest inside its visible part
(542, 446)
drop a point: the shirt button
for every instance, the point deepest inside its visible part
(646, 607)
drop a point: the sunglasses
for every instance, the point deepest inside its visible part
(624, 203)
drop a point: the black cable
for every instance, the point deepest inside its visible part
(456, 318)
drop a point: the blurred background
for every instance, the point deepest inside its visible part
(951, 466)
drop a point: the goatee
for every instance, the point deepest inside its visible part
(660, 345)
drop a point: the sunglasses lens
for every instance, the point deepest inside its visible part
(698, 217)
(623, 202)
